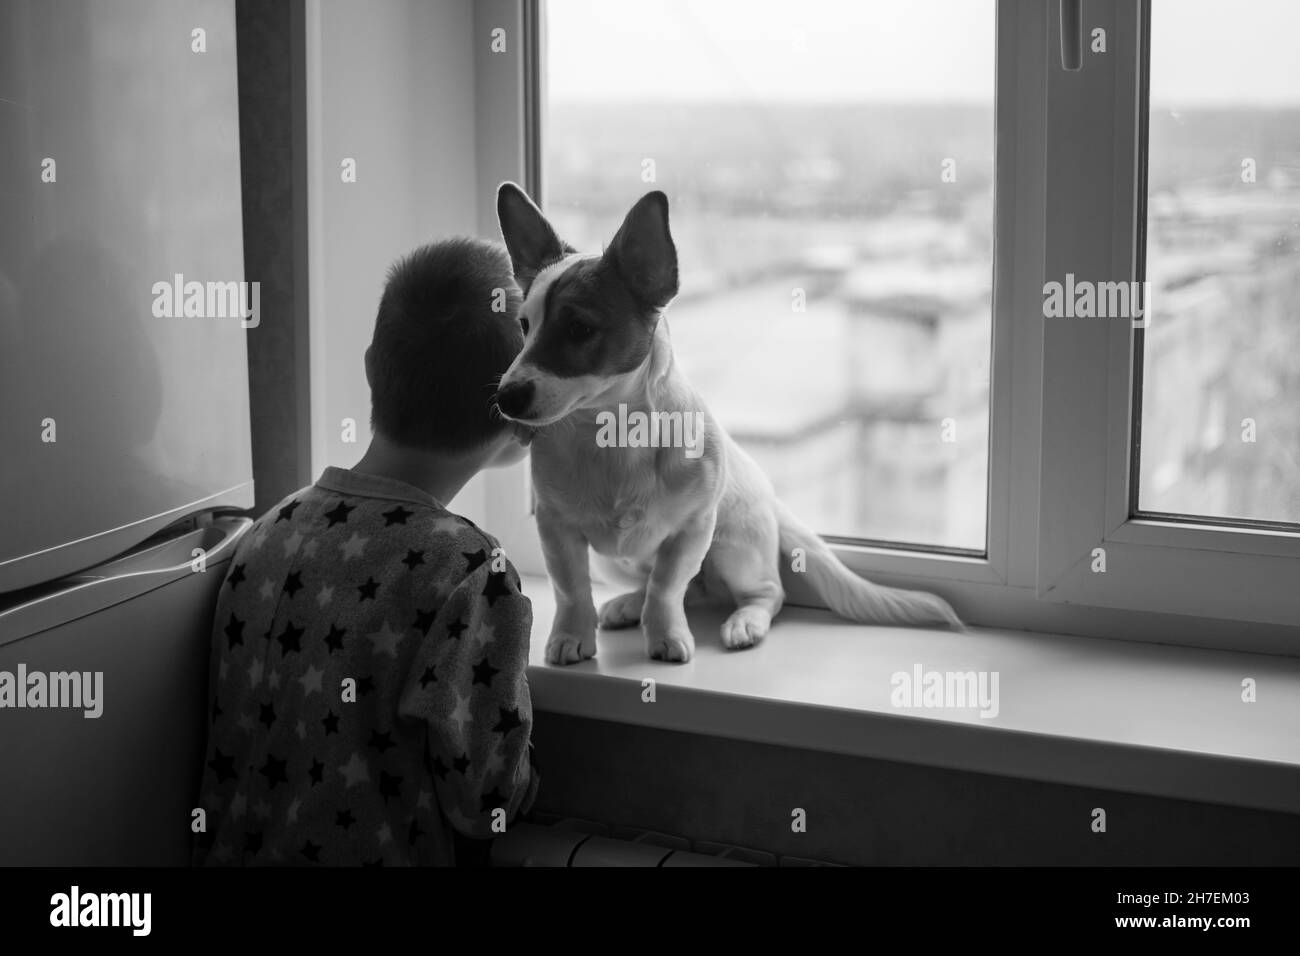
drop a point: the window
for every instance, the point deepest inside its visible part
(1119, 171)
(1220, 381)
(830, 170)
(1103, 480)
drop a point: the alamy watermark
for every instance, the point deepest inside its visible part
(946, 690)
(1097, 300)
(640, 429)
(82, 690)
(75, 908)
(179, 299)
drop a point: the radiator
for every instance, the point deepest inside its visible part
(571, 843)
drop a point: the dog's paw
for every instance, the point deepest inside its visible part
(566, 648)
(676, 646)
(622, 611)
(746, 627)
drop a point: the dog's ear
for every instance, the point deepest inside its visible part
(531, 241)
(643, 254)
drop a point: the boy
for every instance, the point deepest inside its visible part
(368, 699)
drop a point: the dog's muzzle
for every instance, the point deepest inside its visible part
(514, 399)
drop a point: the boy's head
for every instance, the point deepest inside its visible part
(447, 329)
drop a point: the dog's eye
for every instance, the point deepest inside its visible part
(581, 331)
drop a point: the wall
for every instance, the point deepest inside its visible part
(390, 84)
(118, 789)
(875, 812)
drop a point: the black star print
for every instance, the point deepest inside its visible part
(368, 589)
(490, 801)
(287, 511)
(236, 576)
(389, 785)
(461, 763)
(334, 639)
(496, 587)
(235, 631)
(381, 742)
(509, 720)
(252, 842)
(424, 620)
(415, 833)
(331, 722)
(268, 714)
(473, 559)
(439, 768)
(311, 851)
(293, 583)
(273, 771)
(316, 772)
(344, 819)
(289, 639)
(430, 676)
(223, 766)
(397, 516)
(413, 558)
(484, 672)
(365, 685)
(339, 514)
(456, 628)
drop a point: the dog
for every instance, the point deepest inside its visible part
(691, 518)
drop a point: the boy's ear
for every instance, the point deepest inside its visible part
(530, 240)
(370, 375)
(643, 253)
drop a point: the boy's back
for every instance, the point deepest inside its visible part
(368, 686)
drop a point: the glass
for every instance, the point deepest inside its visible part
(829, 167)
(1220, 398)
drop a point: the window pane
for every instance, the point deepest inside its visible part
(1220, 432)
(830, 171)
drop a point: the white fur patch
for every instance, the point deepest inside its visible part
(554, 397)
(534, 304)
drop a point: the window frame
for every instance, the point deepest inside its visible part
(1051, 443)
(1096, 216)
(509, 93)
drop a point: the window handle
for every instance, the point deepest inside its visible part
(1071, 34)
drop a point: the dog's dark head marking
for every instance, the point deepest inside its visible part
(591, 324)
(595, 316)
(643, 254)
(530, 239)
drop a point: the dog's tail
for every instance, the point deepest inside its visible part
(852, 597)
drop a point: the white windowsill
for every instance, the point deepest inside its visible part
(1143, 718)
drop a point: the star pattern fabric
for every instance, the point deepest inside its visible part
(370, 696)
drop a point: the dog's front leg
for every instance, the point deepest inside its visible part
(573, 632)
(678, 560)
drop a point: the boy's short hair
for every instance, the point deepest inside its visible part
(439, 348)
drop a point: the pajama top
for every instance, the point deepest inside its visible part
(367, 690)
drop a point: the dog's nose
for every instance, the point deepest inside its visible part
(515, 398)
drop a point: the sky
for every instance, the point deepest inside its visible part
(1204, 52)
(1224, 52)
